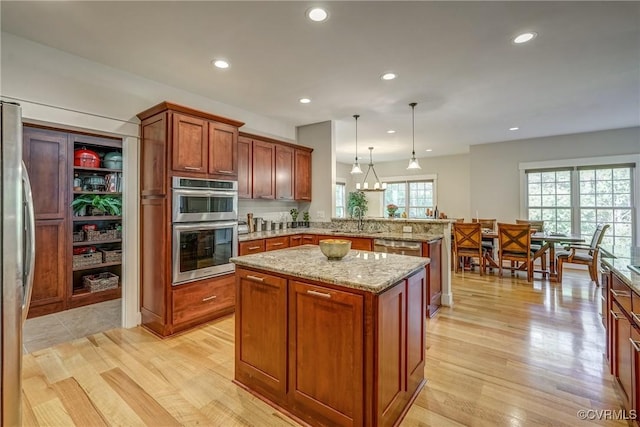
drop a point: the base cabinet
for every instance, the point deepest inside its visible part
(433, 250)
(330, 355)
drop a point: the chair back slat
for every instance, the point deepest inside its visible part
(467, 235)
(598, 235)
(535, 224)
(486, 222)
(514, 239)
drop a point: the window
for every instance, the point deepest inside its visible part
(412, 197)
(576, 199)
(340, 200)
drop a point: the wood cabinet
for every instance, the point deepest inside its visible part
(245, 168)
(327, 346)
(179, 141)
(433, 250)
(272, 169)
(309, 239)
(61, 241)
(284, 177)
(46, 156)
(357, 243)
(302, 180)
(251, 247)
(274, 243)
(327, 354)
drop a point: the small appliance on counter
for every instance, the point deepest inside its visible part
(243, 227)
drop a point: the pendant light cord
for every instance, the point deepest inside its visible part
(355, 116)
(413, 128)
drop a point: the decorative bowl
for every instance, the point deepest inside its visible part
(335, 249)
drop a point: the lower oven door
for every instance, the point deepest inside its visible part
(202, 250)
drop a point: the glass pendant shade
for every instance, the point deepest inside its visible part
(356, 165)
(413, 162)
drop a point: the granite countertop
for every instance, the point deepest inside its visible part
(619, 265)
(368, 271)
(413, 237)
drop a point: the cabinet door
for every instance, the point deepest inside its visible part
(223, 150)
(309, 239)
(302, 178)
(251, 247)
(391, 354)
(261, 322)
(203, 298)
(416, 294)
(295, 240)
(623, 373)
(325, 374)
(263, 160)
(50, 270)
(284, 172)
(635, 368)
(189, 144)
(45, 153)
(245, 168)
(276, 243)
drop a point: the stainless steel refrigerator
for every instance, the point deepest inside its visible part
(17, 258)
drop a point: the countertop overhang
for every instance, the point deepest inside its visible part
(411, 237)
(619, 264)
(368, 271)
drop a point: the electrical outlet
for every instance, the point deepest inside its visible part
(320, 214)
(407, 229)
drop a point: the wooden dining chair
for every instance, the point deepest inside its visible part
(487, 223)
(583, 254)
(467, 242)
(538, 247)
(515, 246)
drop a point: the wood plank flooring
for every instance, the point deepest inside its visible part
(509, 353)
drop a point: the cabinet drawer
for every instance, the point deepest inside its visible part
(251, 247)
(276, 243)
(621, 293)
(295, 240)
(191, 301)
(309, 239)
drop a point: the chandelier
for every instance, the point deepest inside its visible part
(377, 185)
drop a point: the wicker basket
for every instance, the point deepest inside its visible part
(111, 255)
(85, 260)
(100, 282)
(98, 235)
(78, 236)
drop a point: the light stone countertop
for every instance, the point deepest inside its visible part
(369, 271)
(414, 237)
(619, 266)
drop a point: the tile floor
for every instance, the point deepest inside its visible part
(46, 331)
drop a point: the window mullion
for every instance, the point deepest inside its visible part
(575, 202)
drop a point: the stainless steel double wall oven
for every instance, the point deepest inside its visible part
(205, 228)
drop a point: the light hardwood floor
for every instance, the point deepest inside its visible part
(510, 353)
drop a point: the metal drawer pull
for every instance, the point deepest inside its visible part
(624, 294)
(635, 344)
(615, 315)
(225, 171)
(296, 238)
(318, 294)
(191, 168)
(251, 248)
(635, 317)
(209, 298)
(277, 244)
(255, 278)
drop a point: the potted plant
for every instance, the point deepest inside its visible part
(97, 204)
(357, 199)
(294, 217)
(305, 218)
(391, 210)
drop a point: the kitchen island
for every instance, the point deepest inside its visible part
(331, 342)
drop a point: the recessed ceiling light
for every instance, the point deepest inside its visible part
(525, 37)
(317, 14)
(391, 131)
(429, 149)
(388, 76)
(304, 100)
(220, 63)
(514, 128)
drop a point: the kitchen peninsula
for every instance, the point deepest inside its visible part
(331, 342)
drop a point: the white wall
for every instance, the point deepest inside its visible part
(67, 91)
(494, 173)
(319, 136)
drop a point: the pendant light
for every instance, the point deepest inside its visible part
(377, 185)
(413, 163)
(356, 166)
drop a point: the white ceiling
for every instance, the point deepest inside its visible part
(455, 59)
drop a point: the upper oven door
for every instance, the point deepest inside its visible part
(204, 205)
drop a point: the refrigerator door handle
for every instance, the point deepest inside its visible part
(30, 242)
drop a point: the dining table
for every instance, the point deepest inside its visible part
(550, 240)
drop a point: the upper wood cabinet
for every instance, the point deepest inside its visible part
(271, 169)
(263, 163)
(198, 144)
(302, 179)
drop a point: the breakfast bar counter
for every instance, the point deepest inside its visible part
(331, 342)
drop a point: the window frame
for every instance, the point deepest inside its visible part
(576, 165)
(340, 182)
(414, 178)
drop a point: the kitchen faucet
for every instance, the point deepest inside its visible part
(357, 212)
